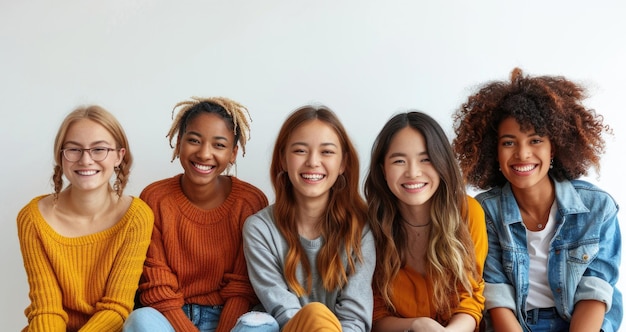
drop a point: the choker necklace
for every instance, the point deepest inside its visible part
(412, 225)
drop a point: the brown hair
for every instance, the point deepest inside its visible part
(551, 105)
(343, 223)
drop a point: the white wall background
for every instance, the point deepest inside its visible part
(364, 59)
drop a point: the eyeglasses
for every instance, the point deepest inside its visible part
(96, 154)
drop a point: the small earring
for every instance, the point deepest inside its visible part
(551, 163)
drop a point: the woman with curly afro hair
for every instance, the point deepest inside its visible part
(554, 240)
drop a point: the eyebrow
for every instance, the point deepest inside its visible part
(513, 136)
(91, 144)
(402, 154)
(306, 144)
(195, 133)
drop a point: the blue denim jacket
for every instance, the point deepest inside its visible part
(584, 257)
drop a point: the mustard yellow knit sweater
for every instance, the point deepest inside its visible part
(85, 283)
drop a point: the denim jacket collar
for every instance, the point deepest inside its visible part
(567, 199)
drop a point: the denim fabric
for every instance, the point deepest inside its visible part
(256, 321)
(583, 259)
(148, 319)
(546, 320)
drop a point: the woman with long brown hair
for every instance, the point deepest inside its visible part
(311, 254)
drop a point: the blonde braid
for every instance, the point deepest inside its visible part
(239, 113)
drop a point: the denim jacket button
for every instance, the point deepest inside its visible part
(585, 257)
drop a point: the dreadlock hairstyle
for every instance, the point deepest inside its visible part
(234, 114)
(551, 105)
(450, 258)
(102, 117)
(345, 217)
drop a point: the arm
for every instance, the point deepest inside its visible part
(588, 316)
(472, 304)
(594, 303)
(159, 286)
(499, 293)
(46, 309)
(237, 292)
(264, 249)
(118, 298)
(504, 320)
(355, 301)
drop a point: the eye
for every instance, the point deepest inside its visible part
(398, 161)
(74, 150)
(536, 141)
(425, 160)
(299, 151)
(193, 141)
(328, 152)
(507, 143)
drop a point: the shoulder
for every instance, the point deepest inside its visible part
(263, 219)
(573, 193)
(245, 191)
(29, 212)
(160, 187)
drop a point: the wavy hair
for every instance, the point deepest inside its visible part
(450, 258)
(551, 105)
(102, 117)
(345, 217)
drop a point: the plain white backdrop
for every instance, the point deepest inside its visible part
(366, 60)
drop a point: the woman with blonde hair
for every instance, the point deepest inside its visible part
(85, 244)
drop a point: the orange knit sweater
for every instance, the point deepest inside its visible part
(85, 282)
(196, 256)
(413, 292)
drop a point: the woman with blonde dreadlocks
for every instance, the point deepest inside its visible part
(195, 276)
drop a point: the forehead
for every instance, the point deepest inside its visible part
(209, 124)
(314, 131)
(86, 131)
(408, 139)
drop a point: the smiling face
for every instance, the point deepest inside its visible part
(313, 160)
(524, 156)
(409, 173)
(206, 148)
(85, 174)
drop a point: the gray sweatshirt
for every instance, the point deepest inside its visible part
(266, 249)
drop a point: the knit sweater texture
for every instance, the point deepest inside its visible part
(196, 255)
(413, 293)
(84, 283)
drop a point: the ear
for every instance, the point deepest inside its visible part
(120, 156)
(233, 156)
(342, 168)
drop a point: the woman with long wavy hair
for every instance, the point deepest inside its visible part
(311, 254)
(431, 239)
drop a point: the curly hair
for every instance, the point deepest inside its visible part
(346, 214)
(551, 105)
(234, 114)
(102, 117)
(450, 257)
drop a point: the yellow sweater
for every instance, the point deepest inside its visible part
(85, 283)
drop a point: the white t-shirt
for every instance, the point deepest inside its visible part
(538, 243)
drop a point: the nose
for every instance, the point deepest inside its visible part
(523, 152)
(312, 160)
(413, 170)
(205, 151)
(85, 158)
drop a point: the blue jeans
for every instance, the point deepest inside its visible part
(256, 321)
(148, 319)
(546, 320)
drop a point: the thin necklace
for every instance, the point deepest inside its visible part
(413, 225)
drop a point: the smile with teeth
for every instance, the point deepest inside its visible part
(203, 167)
(312, 177)
(524, 168)
(414, 185)
(87, 173)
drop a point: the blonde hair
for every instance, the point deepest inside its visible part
(102, 117)
(234, 114)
